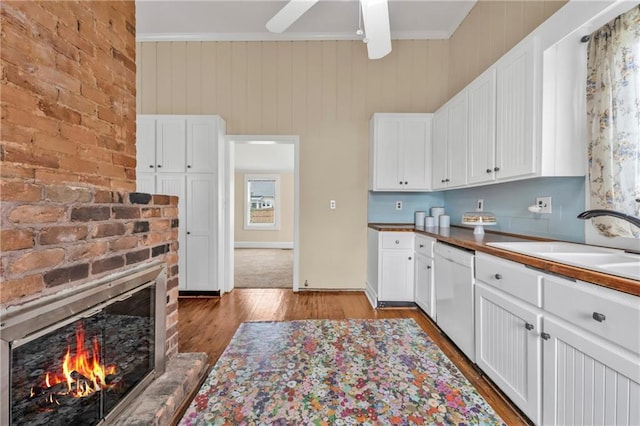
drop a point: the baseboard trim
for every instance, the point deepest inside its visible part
(258, 244)
(199, 293)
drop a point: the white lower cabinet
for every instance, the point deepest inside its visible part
(390, 270)
(508, 347)
(571, 357)
(588, 380)
(424, 291)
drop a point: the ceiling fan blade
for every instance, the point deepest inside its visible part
(289, 14)
(375, 16)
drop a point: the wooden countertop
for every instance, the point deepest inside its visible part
(464, 237)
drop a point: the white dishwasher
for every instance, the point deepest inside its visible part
(454, 287)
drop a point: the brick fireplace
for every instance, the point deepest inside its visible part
(70, 215)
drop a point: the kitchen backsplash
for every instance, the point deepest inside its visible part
(508, 201)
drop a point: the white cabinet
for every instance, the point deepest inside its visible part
(390, 267)
(481, 159)
(517, 133)
(450, 146)
(424, 292)
(178, 155)
(508, 347)
(587, 380)
(400, 152)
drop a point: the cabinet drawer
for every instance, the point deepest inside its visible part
(424, 245)
(510, 277)
(397, 240)
(607, 313)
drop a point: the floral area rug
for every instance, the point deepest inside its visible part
(324, 372)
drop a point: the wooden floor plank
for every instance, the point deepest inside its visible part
(207, 325)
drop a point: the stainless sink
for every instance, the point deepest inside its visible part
(601, 259)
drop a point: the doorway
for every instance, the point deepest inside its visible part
(261, 211)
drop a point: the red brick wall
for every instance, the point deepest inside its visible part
(68, 92)
(68, 156)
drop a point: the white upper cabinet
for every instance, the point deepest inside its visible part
(178, 144)
(481, 159)
(400, 152)
(517, 79)
(450, 143)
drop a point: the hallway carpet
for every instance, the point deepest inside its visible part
(263, 268)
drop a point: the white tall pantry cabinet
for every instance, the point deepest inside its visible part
(179, 155)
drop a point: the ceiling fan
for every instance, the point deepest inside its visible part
(375, 16)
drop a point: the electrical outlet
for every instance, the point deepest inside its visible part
(398, 205)
(480, 205)
(544, 203)
(332, 204)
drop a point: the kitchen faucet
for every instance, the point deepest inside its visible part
(588, 214)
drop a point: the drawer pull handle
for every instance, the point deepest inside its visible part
(428, 266)
(497, 276)
(545, 336)
(151, 166)
(489, 170)
(528, 326)
(421, 245)
(599, 317)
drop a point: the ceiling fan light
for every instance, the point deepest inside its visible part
(375, 14)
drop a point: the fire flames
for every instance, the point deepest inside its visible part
(82, 372)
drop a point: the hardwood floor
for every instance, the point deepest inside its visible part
(207, 325)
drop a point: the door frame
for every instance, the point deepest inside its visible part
(227, 257)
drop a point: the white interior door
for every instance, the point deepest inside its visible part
(201, 219)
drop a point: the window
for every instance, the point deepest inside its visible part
(262, 202)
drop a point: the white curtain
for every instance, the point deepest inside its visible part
(613, 120)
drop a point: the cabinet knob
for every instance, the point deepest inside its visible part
(599, 317)
(400, 182)
(421, 245)
(528, 326)
(428, 266)
(489, 170)
(406, 183)
(397, 241)
(443, 181)
(159, 166)
(188, 233)
(545, 336)
(151, 166)
(409, 257)
(497, 276)
(496, 169)
(446, 180)
(188, 166)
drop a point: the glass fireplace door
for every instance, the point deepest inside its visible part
(77, 373)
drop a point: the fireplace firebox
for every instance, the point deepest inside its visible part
(80, 357)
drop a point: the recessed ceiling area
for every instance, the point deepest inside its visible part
(158, 20)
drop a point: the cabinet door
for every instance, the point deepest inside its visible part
(171, 145)
(146, 182)
(482, 135)
(201, 218)
(588, 380)
(169, 184)
(508, 347)
(396, 283)
(457, 147)
(202, 145)
(515, 140)
(386, 151)
(423, 291)
(416, 153)
(439, 144)
(145, 144)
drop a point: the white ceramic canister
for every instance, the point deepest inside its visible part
(436, 212)
(429, 222)
(419, 218)
(444, 221)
